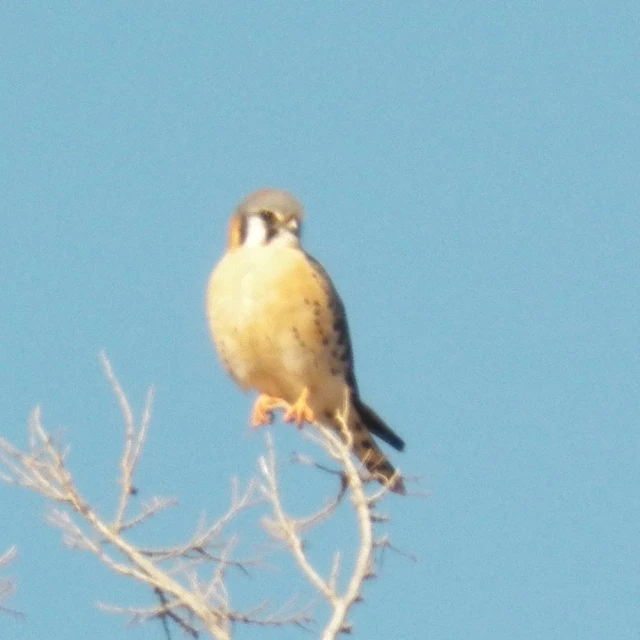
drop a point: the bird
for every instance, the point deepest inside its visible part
(280, 328)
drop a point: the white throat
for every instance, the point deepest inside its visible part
(256, 232)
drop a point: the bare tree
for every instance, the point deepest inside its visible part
(189, 579)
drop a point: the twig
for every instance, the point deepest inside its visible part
(290, 531)
(173, 573)
(176, 574)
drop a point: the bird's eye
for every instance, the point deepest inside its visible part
(267, 216)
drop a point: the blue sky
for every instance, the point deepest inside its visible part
(471, 178)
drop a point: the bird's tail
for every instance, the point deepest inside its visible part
(376, 425)
(368, 452)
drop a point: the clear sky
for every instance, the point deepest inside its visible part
(471, 174)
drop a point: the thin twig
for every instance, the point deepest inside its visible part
(290, 531)
(173, 573)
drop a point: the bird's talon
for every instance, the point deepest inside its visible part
(300, 412)
(262, 413)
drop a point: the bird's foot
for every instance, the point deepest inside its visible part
(262, 413)
(300, 412)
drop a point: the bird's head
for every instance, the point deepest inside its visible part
(266, 217)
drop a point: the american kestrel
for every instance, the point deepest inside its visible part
(280, 328)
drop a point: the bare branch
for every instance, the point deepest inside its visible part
(133, 443)
(284, 527)
(175, 574)
(290, 531)
(189, 580)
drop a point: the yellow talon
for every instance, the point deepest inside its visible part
(300, 412)
(262, 413)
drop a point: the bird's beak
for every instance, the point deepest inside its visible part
(292, 225)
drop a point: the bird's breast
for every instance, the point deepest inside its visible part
(262, 308)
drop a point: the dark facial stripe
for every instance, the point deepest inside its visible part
(271, 230)
(269, 219)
